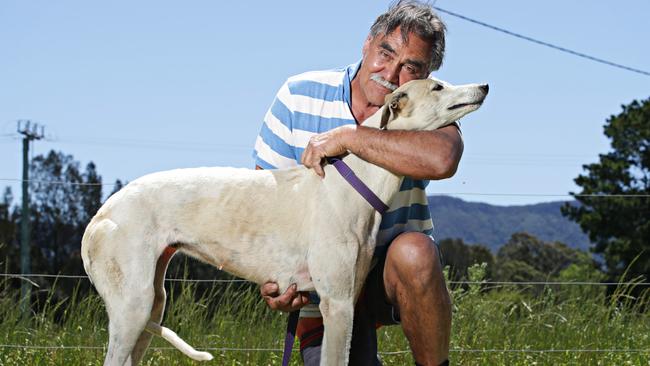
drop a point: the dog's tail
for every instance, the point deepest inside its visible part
(176, 341)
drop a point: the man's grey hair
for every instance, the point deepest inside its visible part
(416, 17)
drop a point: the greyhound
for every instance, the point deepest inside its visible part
(261, 225)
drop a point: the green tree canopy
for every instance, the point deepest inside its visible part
(460, 256)
(63, 200)
(526, 258)
(619, 227)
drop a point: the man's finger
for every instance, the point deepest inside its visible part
(270, 302)
(270, 289)
(300, 301)
(303, 158)
(310, 161)
(319, 170)
(287, 297)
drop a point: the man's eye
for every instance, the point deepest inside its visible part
(411, 70)
(384, 54)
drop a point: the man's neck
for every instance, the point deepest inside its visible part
(361, 108)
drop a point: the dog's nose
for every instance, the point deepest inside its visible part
(485, 88)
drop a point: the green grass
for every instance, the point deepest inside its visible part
(232, 316)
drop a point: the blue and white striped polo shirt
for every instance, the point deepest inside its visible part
(315, 102)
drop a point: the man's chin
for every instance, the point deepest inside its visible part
(377, 99)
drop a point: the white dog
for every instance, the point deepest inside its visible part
(286, 226)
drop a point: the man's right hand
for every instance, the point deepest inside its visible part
(289, 301)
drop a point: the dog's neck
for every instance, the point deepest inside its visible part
(374, 120)
(379, 180)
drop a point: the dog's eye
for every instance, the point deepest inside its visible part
(437, 87)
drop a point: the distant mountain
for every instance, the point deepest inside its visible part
(482, 223)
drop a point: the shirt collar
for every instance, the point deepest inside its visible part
(349, 74)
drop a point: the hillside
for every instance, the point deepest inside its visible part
(481, 223)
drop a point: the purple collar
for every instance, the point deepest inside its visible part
(358, 185)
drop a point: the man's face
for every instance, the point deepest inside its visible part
(388, 59)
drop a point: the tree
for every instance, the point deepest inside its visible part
(526, 258)
(7, 221)
(117, 186)
(8, 246)
(63, 200)
(460, 256)
(619, 227)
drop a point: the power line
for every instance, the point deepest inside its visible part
(597, 195)
(542, 195)
(436, 194)
(208, 146)
(55, 182)
(530, 39)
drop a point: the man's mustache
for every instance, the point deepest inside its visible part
(383, 82)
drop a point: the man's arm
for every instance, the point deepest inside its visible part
(429, 155)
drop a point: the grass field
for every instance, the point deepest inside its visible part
(500, 326)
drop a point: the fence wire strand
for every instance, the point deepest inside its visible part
(528, 283)
(386, 353)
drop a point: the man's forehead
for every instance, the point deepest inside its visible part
(394, 40)
(398, 36)
(393, 37)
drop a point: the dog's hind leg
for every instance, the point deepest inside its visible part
(158, 307)
(127, 320)
(124, 281)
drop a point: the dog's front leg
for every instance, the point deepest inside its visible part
(332, 267)
(337, 318)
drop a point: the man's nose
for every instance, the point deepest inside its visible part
(391, 74)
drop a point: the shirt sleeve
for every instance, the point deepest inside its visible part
(274, 146)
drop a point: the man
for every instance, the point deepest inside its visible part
(320, 114)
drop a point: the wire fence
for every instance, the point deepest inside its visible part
(524, 283)
(383, 353)
(455, 350)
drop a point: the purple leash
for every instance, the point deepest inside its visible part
(292, 325)
(358, 185)
(374, 201)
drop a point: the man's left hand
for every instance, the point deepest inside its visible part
(323, 145)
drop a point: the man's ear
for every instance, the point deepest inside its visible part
(393, 104)
(366, 45)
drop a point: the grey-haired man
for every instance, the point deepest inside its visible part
(319, 114)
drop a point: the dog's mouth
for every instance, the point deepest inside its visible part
(461, 105)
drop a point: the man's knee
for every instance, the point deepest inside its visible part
(412, 261)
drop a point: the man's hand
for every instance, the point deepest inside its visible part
(289, 301)
(323, 145)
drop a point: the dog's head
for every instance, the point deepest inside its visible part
(429, 104)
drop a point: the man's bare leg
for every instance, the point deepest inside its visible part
(415, 285)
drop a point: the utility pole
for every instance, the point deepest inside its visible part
(30, 131)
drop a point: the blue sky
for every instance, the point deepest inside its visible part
(139, 87)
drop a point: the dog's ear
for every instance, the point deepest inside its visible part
(393, 104)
